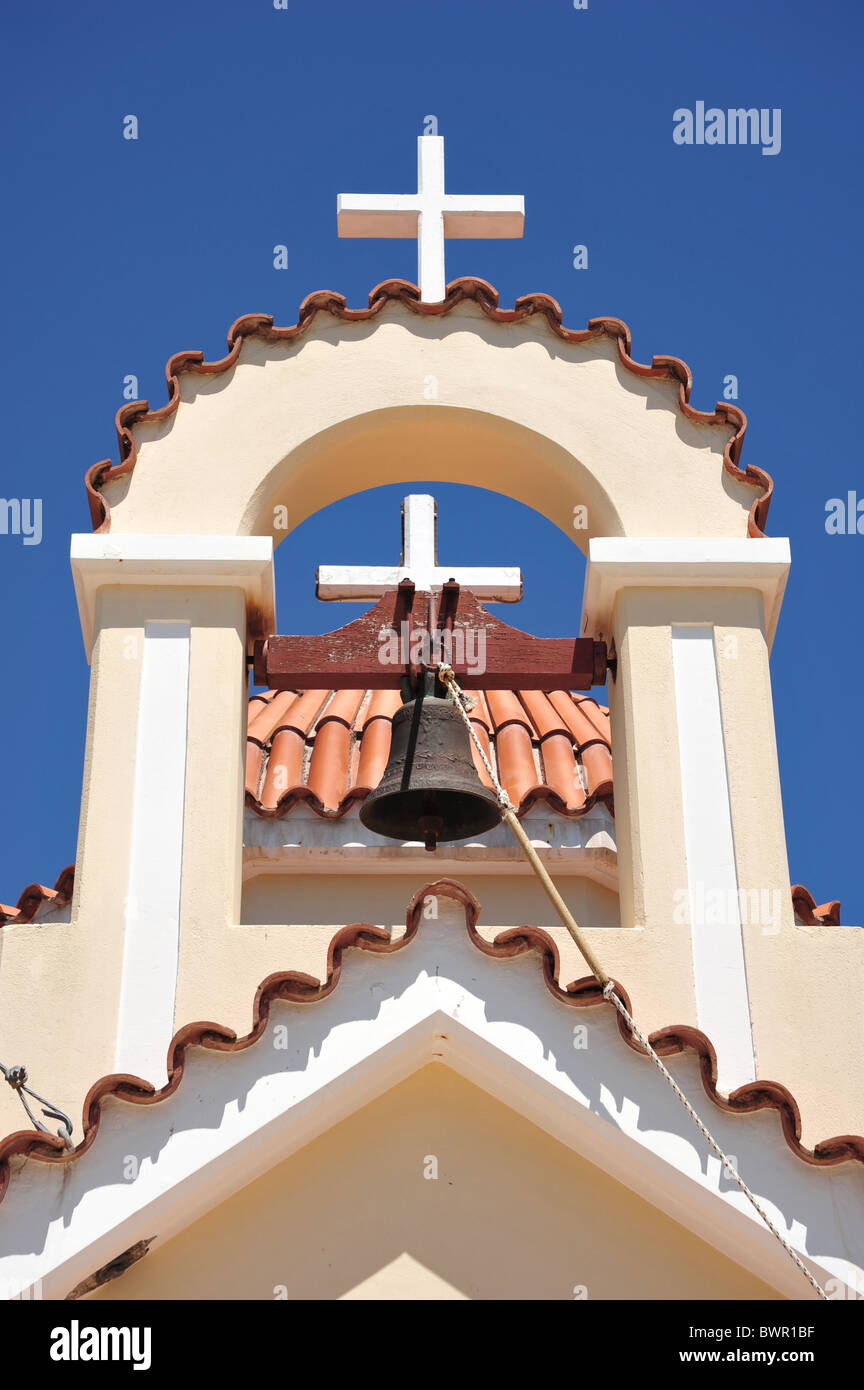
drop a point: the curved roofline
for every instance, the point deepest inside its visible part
(298, 987)
(479, 292)
(35, 894)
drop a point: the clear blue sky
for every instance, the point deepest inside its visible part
(251, 120)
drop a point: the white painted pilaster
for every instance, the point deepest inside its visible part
(151, 946)
(722, 1004)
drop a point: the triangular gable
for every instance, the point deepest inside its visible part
(234, 1108)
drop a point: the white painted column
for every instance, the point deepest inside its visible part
(688, 822)
(152, 910)
(722, 1003)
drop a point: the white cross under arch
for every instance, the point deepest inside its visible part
(363, 583)
(430, 215)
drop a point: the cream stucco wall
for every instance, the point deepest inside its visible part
(508, 900)
(513, 1214)
(802, 982)
(59, 983)
(347, 407)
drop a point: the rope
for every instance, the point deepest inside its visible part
(448, 678)
(609, 993)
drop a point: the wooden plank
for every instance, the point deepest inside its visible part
(402, 632)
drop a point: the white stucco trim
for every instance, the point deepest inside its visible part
(235, 562)
(719, 973)
(660, 562)
(596, 865)
(302, 842)
(234, 1117)
(151, 942)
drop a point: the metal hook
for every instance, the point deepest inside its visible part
(17, 1079)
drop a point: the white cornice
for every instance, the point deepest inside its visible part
(235, 562)
(681, 562)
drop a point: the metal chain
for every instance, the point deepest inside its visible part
(447, 677)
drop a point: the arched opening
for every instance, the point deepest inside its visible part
(423, 446)
(309, 755)
(475, 527)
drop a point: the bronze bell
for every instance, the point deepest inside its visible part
(430, 790)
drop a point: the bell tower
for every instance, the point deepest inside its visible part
(175, 585)
(233, 851)
(177, 582)
(675, 583)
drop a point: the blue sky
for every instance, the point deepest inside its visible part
(252, 119)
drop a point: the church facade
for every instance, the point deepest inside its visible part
(315, 1063)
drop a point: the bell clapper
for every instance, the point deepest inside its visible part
(431, 827)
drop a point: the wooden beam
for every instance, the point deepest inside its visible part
(406, 631)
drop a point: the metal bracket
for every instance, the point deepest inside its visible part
(17, 1078)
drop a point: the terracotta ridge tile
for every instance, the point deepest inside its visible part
(299, 987)
(467, 289)
(804, 904)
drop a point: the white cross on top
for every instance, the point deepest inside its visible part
(360, 583)
(430, 214)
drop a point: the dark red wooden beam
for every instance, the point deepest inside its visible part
(405, 632)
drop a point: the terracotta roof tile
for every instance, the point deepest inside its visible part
(330, 766)
(482, 722)
(478, 292)
(515, 941)
(375, 742)
(35, 894)
(330, 748)
(268, 717)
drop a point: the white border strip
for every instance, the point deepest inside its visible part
(227, 562)
(722, 1004)
(681, 562)
(151, 945)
